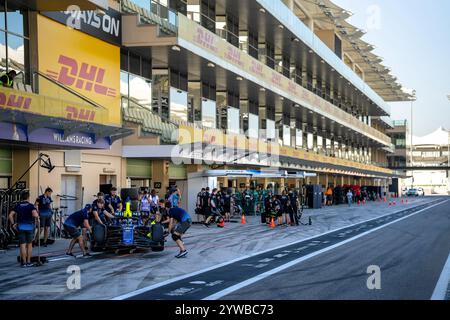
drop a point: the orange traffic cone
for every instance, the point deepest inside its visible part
(272, 224)
(385, 200)
(243, 219)
(359, 202)
(221, 224)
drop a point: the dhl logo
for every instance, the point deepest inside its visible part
(206, 40)
(81, 114)
(276, 78)
(83, 76)
(14, 101)
(234, 55)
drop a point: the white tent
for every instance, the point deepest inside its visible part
(439, 137)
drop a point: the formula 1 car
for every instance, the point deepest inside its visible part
(127, 233)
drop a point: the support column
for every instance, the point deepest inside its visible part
(160, 173)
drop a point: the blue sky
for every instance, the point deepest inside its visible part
(413, 38)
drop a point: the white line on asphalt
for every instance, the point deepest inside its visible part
(264, 275)
(169, 281)
(58, 259)
(443, 282)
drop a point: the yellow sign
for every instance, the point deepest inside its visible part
(214, 137)
(194, 33)
(49, 106)
(81, 62)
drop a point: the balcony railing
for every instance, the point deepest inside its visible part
(283, 14)
(153, 13)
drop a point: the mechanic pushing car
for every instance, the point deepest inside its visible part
(180, 222)
(72, 225)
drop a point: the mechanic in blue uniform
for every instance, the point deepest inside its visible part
(113, 202)
(99, 213)
(100, 196)
(72, 225)
(44, 205)
(24, 218)
(180, 221)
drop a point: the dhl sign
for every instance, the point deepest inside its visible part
(14, 101)
(49, 106)
(82, 76)
(82, 63)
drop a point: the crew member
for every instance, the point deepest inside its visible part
(72, 225)
(294, 202)
(44, 205)
(226, 198)
(113, 201)
(214, 207)
(179, 222)
(7, 79)
(100, 214)
(24, 218)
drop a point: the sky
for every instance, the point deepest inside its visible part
(412, 36)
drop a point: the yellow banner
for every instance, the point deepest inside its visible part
(194, 33)
(189, 134)
(81, 62)
(49, 106)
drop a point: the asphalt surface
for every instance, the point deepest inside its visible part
(410, 253)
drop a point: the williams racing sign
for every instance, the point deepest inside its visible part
(104, 25)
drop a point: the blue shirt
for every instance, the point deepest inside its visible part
(113, 201)
(179, 214)
(24, 211)
(174, 199)
(44, 205)
(76, 219)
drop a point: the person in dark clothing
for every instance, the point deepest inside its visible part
(276, 210)
(7, 79)
(206, 210)
(284, 199)
(226, 198)
(72, 225)
(44, 206)
(99, 214)
(179, 222)
(265, 217)
(294, 202)
(113, 202)
(24, 218)
(214, 207)
(162, 214)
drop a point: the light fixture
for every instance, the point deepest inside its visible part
(211, 65)
(280, 26)
(262, 10)
(176, 48)
(239, 78)
(262, 89)
(322, 61)
(310, 51)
